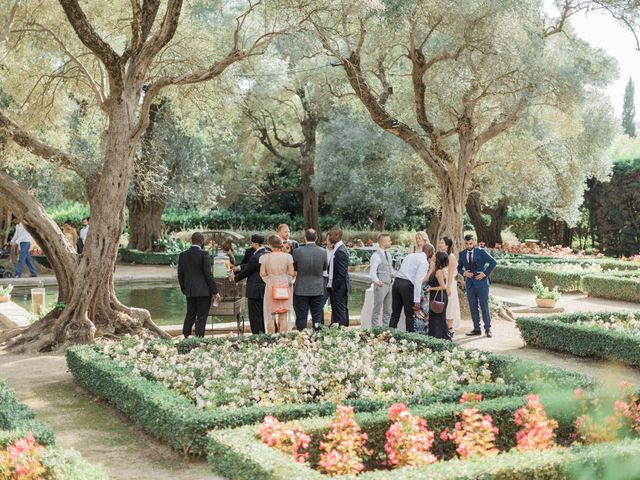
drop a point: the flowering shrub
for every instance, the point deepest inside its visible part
(628, 323)
(291, 440)
(408, 440)
(537, 249)
(537, 431)
(475, 434)
(590, 429)
(343, 448)
(302, 368)
(22, 460)
(566, 267)
(629, 407)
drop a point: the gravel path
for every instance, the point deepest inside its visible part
(100, 433)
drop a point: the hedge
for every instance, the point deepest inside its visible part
(614, 287)
(561, 333)
(148, 258)
(239, 454)
(17, 421)
(521, 276)
(607, 263)
(167, 415)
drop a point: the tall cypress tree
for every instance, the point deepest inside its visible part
(629, 110)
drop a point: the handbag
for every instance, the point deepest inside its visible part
(437, 306)
(282, 292)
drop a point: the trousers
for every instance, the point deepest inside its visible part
(197, 312)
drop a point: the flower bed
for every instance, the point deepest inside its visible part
(27, 446)
(515, 422)
(610, 336)
(171, 414)
(607, 263)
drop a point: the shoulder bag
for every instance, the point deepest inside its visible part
(437, 306)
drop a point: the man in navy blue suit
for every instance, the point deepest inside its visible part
(475, 265)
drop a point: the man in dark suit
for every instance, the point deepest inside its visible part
(310, 261)
(339, 284)
(248, 253)
(475, 265)
(284, 232)
(255, 284)
(196, 283)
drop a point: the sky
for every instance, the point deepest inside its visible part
(604, 32)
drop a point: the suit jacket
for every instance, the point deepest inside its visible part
(194, 273)
(248, 253)
(482, 262)
(310, 261)
(255, 284)
(341, 270)
(293, 244)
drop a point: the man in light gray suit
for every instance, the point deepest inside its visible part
(310, 261)
(381, 274)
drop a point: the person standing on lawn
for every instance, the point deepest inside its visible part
(310, 261)
(381, 274)
(196, 283)
(255, 289)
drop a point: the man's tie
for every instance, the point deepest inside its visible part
(386, 256)
(470, 257)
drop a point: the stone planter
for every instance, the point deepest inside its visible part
(5, 298)
(546, 302)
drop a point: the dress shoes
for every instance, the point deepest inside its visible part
(488, 333)
(474, 333)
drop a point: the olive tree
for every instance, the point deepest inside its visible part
(118, 68)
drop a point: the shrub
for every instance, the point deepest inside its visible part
(521, 276)
(148, 258)
(579, 334)
(343, 447)
(614, 287)
(543, 292)
(167, 415)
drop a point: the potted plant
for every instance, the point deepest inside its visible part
(327, 312)
(545, 298)
(5, 293)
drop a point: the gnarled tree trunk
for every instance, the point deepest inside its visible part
(488, 233)
(145, 222)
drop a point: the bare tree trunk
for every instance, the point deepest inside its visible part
(310, 204)
(86, 285)
(488, 233)
(145, 222)
(378, 220)
(434, 226)
(452, 219)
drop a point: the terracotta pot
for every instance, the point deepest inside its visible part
(546, 302)
(327, 316)
(5, 298)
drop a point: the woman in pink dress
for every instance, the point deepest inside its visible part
(276, 269)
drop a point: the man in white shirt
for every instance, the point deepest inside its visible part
(407, 286)
(84, 231)
(22, 238)
(381, 274)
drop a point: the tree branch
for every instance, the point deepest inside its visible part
(165, 33)
(90, 38)
(23, 138)
(98, 90)
(499, 126)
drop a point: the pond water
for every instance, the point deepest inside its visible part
(165, 302)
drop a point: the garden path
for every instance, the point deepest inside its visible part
(93, 428)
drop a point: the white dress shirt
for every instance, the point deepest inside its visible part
(21, 235)
(84, 231)
(335, 248)
(374, 263)
(414, 267)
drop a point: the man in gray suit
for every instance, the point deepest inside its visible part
(310, 261)
(381, 274)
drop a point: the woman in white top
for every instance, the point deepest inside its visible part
(451, 273)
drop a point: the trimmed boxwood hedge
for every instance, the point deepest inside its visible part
(520, 276)
(17, 421)
(167, 415)
(561, 333)
(148, 258)
(613, 287)
(239, 454)
(606, 263)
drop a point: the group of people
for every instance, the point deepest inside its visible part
(426, 287)
(285, 282)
